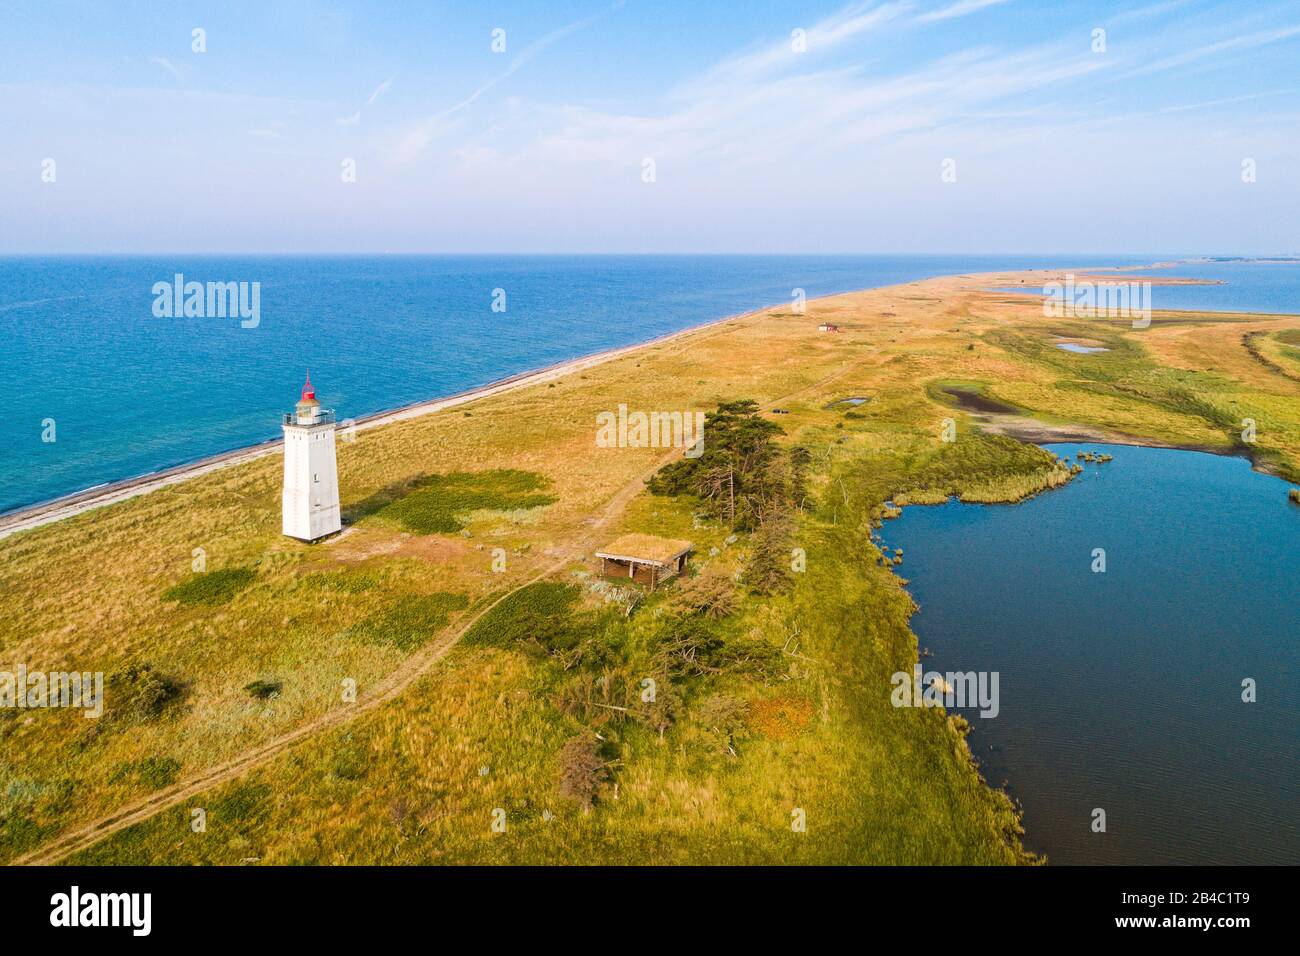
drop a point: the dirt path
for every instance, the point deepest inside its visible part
(392, 686)
(386, 690)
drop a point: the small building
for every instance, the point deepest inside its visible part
(644, 558)
(828, 327)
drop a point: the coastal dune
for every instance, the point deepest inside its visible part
(108, 582)
(69, 505)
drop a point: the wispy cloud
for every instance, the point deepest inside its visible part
(1152, 10)
(1242, 42)
(167, 65)
(380, 90)
(1222, 101)
(767, 107)
(416, 138)
(823, 36)
(959, 9)
(352, 119)
(836, 142)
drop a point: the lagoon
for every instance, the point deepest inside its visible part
(1122, 689)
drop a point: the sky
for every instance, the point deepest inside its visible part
(625, 126)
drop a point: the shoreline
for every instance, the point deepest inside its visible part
(112, 610)
(990, 753)
(1031, 431)
(26, 517)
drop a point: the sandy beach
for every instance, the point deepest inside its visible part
(101, 589)
(42, 513)
(67, 506)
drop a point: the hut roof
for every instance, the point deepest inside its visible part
(645, 549)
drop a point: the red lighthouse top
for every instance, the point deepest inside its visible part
(308, 392)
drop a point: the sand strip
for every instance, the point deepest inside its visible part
(34, 516)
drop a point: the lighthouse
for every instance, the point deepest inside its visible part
(311, 474)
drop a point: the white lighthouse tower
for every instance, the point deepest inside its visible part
(311, 474)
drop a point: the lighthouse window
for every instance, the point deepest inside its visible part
(316, 478)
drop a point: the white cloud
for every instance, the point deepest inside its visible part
(822, 36)
(352, 119)
(167, 65)
(380, 90)
(959, 9)
(418, 136)
(1243, 42)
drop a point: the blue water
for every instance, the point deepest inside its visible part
(1272, 287)
(130, 393)
(1248, 287)
(1122, 690)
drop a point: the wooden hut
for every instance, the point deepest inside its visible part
(644, 558)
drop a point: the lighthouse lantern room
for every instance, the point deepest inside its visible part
(311, 478)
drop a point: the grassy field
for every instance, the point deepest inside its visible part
(220, 637)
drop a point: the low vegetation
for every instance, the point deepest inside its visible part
(596, 721)
(211, 588)
(439, 504)
(408, 622)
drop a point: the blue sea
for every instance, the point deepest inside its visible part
(1121, 689)
(130, 393)
(1242, 286)
(1247, 287)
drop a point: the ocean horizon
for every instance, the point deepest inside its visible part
(105, 383)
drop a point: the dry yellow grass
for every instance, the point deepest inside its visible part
(87, 593)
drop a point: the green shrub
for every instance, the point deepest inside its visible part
(711, 593)
(722, 720)
(410, 622)
(436, 503)
(139, 695)
(583, 768)
(768, 570)
(152, 773)
(352, 762)
(240, 804)
(689, 647)
(541, 612)
(263, 689)
(350, 581)
(20, 833)
(211, 587)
